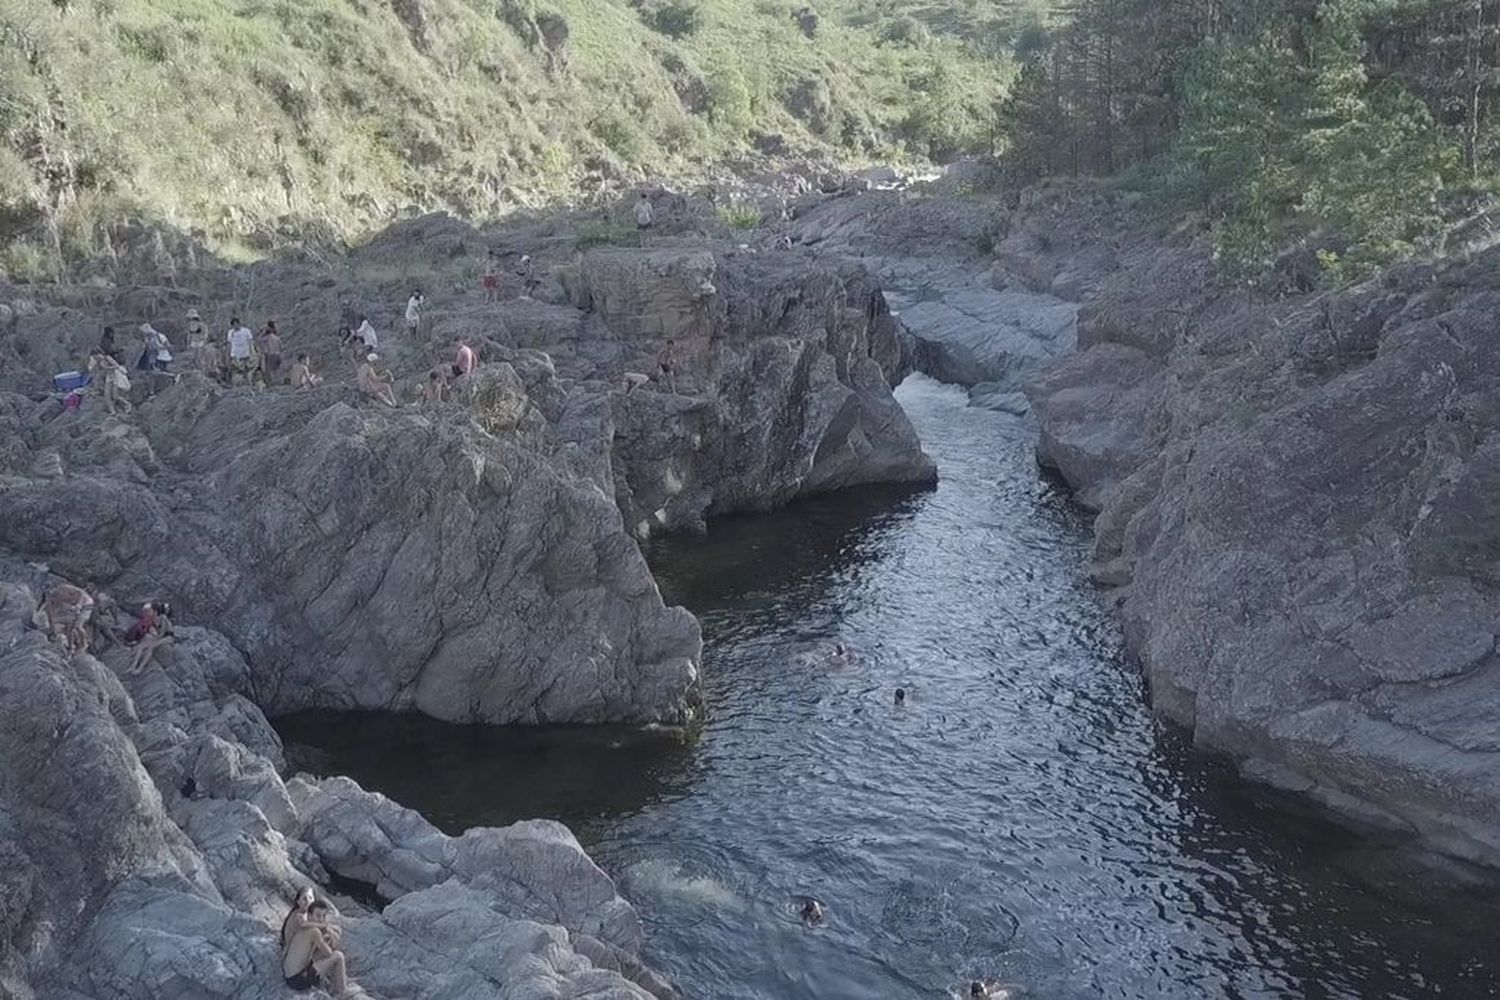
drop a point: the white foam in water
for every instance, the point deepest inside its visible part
(666, 880)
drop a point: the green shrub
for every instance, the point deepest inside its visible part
(906, 31)
(739, 215)
(675, 19)
(606, 233)
(26, 263)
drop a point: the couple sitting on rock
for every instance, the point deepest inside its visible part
(309, 954)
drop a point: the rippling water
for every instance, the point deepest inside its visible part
(1022, 816)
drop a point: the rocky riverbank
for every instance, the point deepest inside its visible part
(474, 559)
(1294, 489)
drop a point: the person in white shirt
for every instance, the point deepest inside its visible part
(157, 351)
(366, 333)
(241, 351)
(644, 217)
(414, 311)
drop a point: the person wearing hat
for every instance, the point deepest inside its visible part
(373, 383)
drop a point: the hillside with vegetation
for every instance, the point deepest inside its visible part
(253, 122)
(1353, 131)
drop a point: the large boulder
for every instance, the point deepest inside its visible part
(1297, 507)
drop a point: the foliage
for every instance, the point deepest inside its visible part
(251, 120)
(739, 215)
(606, 233)
(1264, 114)
(675, 19)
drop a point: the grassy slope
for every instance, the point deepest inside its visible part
(258, 120)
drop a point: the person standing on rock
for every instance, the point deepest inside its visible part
(666, 365)
(645, 217)
(366, 334)
(156, 350)
(241, 351)
(372, 383)
(414, 312)
(490, 279)
(110, 378)
(270, 353)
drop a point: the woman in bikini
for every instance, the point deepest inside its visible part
(308, 958)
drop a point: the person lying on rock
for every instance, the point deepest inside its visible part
(373, 383)
(309, 956)
(157, 632)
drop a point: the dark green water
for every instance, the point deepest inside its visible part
(1023, 816)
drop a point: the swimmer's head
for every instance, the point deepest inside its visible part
(901, 696)
(839, 649)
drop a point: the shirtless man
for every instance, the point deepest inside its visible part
(490, 279)
(373, 383)
(302, 376)
(464, 358)
(308, 955)
(65, 612)
(435, 388)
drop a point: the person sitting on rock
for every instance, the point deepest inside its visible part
(302, 376)
(150, 632)
(309, 958)
(372, 383)
(435, 388)
(464, 358)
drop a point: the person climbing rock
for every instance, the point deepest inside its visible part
(373, 383)
(65, 612)
(309, 954)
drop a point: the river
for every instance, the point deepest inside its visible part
(1022, 816)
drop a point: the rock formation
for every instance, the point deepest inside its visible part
(474, 559)
(1295, 506)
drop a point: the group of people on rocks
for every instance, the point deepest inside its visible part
(88, 620)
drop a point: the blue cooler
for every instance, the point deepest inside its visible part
(69, 381)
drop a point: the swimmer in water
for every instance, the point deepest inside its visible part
(812, 911)
(901, 696)
(988, 989)
(840, 655)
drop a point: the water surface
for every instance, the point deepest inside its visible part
(1022, 816)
